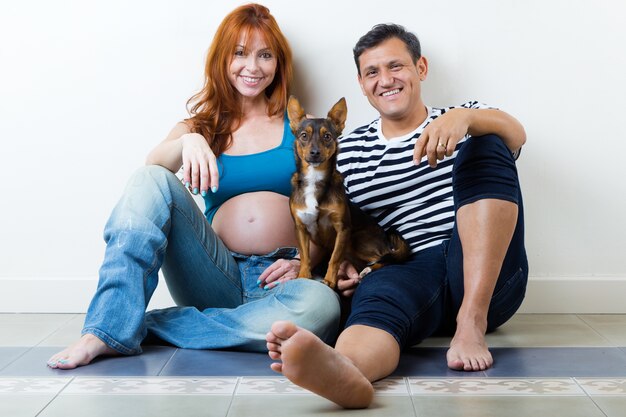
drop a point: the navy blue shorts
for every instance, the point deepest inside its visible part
(416, 299)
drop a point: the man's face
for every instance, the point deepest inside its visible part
(390, 79)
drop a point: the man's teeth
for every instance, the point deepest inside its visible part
(390, 93)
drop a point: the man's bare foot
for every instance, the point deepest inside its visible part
(468, 349)
(81, 353)
(310, 363)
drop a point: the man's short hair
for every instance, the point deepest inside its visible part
(380, 33)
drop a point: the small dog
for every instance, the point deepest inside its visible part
(320, 207)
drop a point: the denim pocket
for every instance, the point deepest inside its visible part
(507, 300)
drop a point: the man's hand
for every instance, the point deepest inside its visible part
(347, 279)
(440, 137)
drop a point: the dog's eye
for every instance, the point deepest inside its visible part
(304, 136)
(327, 136)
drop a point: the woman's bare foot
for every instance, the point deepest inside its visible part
(468, 349)
(310, 363)
(81, 353)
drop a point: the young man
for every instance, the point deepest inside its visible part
(445, 179)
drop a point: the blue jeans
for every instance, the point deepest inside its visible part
(157, 225)
(414, 300)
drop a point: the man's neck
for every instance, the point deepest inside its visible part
(393, 128)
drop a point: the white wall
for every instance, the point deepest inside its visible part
(87, 88)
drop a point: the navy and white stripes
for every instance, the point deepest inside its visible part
(380, 177)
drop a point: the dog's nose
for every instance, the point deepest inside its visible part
(314, 153)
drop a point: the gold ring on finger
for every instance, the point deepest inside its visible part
(443, 145)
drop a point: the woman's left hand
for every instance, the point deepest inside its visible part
(280, 271)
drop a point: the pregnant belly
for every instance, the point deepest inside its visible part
(255, 223)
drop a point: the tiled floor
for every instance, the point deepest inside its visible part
(545, 365)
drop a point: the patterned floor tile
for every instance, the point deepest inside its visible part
(391, 386)
(268, 386)
(152, 386)
(603, 386)
(492, 386)
(32, 385)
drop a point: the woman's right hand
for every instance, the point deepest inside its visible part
(199, 164)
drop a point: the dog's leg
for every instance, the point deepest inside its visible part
(336, 258)
(304, 249)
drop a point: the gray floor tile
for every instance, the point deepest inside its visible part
(610, 326)
(546, 330)
(542, 330)
(558, 362)
(9, 354)
(218, 363)
(499, 406)
(138, 406)
(29, 329)
(66, 334)
(149, 363)
(23, 405)
(612, 406)
(430, 362)
(312, 405)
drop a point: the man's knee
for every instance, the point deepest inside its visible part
(485, 168)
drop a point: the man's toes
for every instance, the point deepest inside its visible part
(274, 355)
(284, 329)
(273, 346)
(277, 367)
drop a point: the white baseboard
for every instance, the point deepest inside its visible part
(584, 295)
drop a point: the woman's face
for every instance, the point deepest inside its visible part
(252, 67)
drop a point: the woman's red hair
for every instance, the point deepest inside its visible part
(216, 110)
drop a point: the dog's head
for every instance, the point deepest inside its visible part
(316, 139)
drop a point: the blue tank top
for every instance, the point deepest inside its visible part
(269, 170)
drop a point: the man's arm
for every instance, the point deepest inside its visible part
(440, 137)
(486, 121)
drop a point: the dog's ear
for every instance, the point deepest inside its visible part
(338, 114)
(295, 112)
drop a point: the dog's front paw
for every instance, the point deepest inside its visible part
(331, 284)
(364, 272)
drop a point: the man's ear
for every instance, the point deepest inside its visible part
(422, 68)
(295, 112)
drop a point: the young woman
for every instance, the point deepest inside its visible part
(230, 269)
